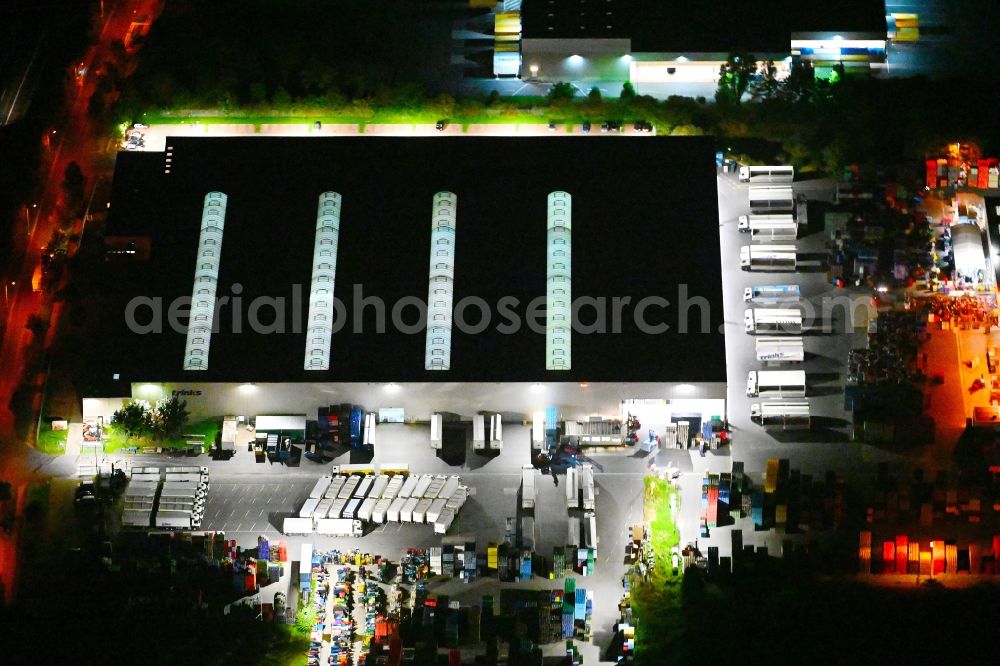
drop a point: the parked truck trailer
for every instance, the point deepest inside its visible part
(772, 293)
(781, 414)
(768, 257)
(527, 487)
(780, 349)
(776, 384)
(772, 320)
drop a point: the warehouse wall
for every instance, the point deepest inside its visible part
(517, 401)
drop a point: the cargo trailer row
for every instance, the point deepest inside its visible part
(418, 498)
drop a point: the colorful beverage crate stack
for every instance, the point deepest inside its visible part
(710, 499)
(757, 508)
(339, 628)
(725, 492)
(569, 607)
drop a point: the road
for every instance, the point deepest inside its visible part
(77, 140)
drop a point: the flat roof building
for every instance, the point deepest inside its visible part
(313, 265)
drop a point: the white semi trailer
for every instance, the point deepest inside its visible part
(780, 350)
(772, 320)
(774, 199)
(776, 384)
(768, 257)
(772, 293)
(767, 174)
(527, 487)
(781, 414)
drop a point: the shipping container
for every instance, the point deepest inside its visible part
(321, 486)
(292, 526)
(437, 431)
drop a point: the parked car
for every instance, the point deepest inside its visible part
(552, 126)
(439, 125)
(586, 127)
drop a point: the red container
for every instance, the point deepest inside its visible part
(932, 173)
(902, 542)
(888, 557)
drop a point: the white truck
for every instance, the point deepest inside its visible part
(380, 510)
(746, 223)
(590, 531)
(347, 491)
(772, 320)
(781, 414)
(322, 483)
(444, 521)
(379, 486)
(409, 485)
(572, 488)
(364, 487)
(435, 509)
(767, 174)
(774, 199)
(423, 483)
(538, 431)
(406, 512)
(339, 527)
(587, 486)
(228, 440)
(527, 487)
(175, 520)
(334, 488)
(780, 350)
(496, 433)
(420, 510)
(292, 526)
(573, 532)
(392, 488)
(772, 293)
(392, 513)
(776, 384)
(308, 508)
(367, 507)
(770, 231)
(768, 257)
(478, 432)
(450, 486)
(437, 431)
(435, 487)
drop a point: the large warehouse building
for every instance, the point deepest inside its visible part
(412, 276)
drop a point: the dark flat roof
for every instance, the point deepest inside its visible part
(721, 26)
(645, 220)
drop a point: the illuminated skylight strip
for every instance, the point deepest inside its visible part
(319, 332)
(559, 272)
(440, 288)
(206, 279)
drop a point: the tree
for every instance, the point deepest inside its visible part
(628, 91)
(765, 86)
(73, 181)
(562, 91)
(734, 78)
(594, 96)
(169, 417)
(800, 85)
(133, 418)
